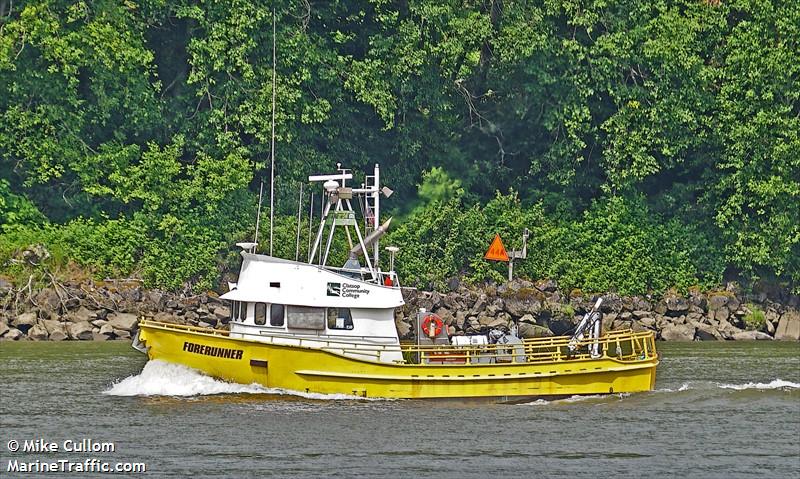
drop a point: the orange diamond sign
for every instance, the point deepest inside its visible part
(496, 251)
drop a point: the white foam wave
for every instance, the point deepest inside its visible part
(572, 399)
(160, 378)
(774, 384)
(683, 387)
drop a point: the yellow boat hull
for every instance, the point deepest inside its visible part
(313, 370)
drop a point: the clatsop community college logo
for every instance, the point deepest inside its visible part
(334, 289)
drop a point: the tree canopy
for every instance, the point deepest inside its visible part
(648, 145)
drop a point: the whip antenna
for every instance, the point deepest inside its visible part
(258, 214)
(272, 149)
(299, 212)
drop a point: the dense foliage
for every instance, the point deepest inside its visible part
(647, 145)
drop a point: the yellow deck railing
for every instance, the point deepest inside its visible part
(623, 345)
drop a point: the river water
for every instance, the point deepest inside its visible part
(727, 409)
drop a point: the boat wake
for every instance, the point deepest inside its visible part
(160, 378)
(575, 398)
(774, 384)
(780, 384)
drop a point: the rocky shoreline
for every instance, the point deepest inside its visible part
(110, 310)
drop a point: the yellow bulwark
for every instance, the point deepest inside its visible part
(539, 367)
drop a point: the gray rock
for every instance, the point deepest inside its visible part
(222, 312)
(751, 335)
(25, 321)
(773, 316)
(52, 325)
(81, 314)
(676, 305)
(620, 324)
(453, 302)
(107, 329)
(446, 315)
(520, 306)
(716, 301)
(479, 305)
(429, 301)
(472, 325)
(707, 333)
(769, 327)
(38, 333)
(678, 332)
(81, 330)
(72, 303)
(727, 329)
(493, 309)
(560, 326)
(722, 313)
(100, 337)
(98, 323)
(453, 284)
(3, 328)
(789, 326)
(527, 330)
(48, 299)
(13, 334)
(485, 320)
(56, 329)
(122, 334)
(461, 320)
(647, 322)
(58, 336)
(695, 316)
(165, 317)
(491, 323)
(638, 327)
(547, 285)
(123, 321)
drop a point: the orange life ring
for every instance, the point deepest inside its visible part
(438, 324)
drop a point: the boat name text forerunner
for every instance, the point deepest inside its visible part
(212, 351)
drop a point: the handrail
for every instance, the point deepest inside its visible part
(621, 345)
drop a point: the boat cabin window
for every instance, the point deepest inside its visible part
(340, 318)
(276, 313)
(261, 314)
(305, 317)
(242, 311)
